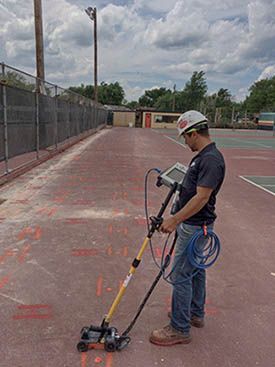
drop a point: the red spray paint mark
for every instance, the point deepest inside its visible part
(210, 311)
(76, 221)
(109, 360)
(33, 312)
(59, 200)
(125, 251)
(84, 358)
(4, 281)
(98, 360)
(158, 252)
(141, 221)
(23, 254)
(33, 233)
(99, 286)
(7, 254)
(110, 251)
(123, 230)
(83, 202)
(120, 196)
(84, 252)
(47, 211)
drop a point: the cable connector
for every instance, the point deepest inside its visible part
(158, 170)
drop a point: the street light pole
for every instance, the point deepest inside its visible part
(91, 12)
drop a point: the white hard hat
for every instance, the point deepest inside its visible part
(190, 119)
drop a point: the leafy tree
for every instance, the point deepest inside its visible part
(150, 97)
(165, 102)
(112, 93)
(262, 96)
(195, 90)
(133, 105)
(86, 91)
(223, 98)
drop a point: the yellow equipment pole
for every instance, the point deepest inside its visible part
(126, 281)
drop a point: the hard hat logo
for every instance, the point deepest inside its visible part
(189, 119)
(183, 124)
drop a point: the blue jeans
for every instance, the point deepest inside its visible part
(188, 297)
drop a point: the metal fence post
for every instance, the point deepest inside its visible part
(5, 118)
(233, 118)
(37, 122)
(56, 118)
(68, 120)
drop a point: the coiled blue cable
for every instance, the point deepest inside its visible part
(198, 256)
(203, 258)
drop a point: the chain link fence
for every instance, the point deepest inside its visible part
(36, 115)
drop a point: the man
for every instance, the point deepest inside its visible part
(197, 200)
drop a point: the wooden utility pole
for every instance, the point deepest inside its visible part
(40, 71)
(95, 54)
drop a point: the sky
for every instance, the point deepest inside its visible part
(145, 44)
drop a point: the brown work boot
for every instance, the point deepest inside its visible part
(195, 320)
(169, 336)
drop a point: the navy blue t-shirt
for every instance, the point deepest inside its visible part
(206, 169)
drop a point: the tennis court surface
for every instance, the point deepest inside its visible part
(71, 227)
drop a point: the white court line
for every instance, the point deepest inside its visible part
(259, 186)
(177, 142)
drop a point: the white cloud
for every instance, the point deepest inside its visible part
(268, 72)
(145, 43)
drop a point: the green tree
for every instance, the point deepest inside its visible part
(165, 102)
(86, 91)
(195, 91)
(150, 97)
(112, 93)
(133, 105)
(262, 96)
(223, 98)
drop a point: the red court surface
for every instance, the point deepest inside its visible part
(70, 229)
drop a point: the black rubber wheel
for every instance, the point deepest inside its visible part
(110, 347)
(82, 347)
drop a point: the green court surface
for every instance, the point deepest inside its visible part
(243, 143)
(239, 139)
(266, 183)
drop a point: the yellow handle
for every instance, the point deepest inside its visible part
(126, 282)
